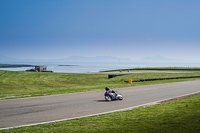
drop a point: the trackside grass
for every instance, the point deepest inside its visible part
(16, 84)
(157, 68)
(177, 116)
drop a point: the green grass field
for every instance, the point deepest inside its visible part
(158, 68)
(170, 117)
(180, 116)
(16, 84)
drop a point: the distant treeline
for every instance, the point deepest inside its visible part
(14, 65)
(169, 68)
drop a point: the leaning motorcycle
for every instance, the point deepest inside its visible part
(109, 96)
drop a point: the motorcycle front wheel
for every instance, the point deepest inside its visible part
(120, 98)
(108, 98)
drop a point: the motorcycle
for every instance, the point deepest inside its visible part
(112, 95)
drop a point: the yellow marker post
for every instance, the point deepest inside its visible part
(130, 81)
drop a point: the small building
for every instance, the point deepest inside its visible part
(40, 68)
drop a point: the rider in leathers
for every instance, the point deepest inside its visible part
(112, 91)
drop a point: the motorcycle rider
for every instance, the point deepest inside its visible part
(111, 91)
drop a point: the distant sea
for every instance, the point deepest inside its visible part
(89, 67)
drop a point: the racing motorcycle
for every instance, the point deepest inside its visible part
(112, 95)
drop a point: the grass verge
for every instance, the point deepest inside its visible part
(157, 68)
(177, 116)
(16, 84)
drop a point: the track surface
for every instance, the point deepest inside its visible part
(27, 111)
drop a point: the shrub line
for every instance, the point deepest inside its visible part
(142, 80)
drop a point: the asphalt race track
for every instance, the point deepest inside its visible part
(40, 110)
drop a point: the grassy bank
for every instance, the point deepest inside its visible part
(157, 68)
(16, 84)
(180, 116)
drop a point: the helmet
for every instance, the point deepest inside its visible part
(107, 89)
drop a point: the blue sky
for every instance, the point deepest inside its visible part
(45, 29)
